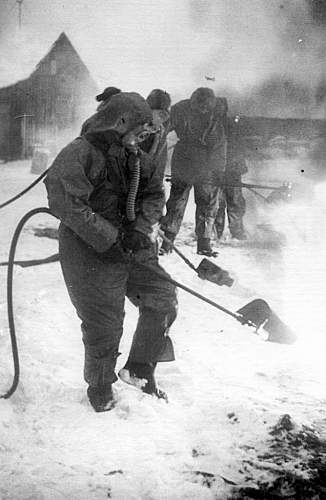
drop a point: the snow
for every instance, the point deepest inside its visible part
(227, 387)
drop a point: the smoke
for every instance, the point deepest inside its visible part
(135, 45)
(305, 269)
(293, 261)
(267, 57)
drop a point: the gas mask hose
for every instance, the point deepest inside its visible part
(133, 188)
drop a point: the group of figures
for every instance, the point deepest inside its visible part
(107, 189)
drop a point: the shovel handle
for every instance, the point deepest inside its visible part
(260, 186)
(241, 184)
(167, 278)
(177, 251)
(250, 186)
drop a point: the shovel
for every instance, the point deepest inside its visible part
(206, 270)
(261, 315)
(256, 314)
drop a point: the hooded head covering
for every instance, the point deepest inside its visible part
(107, 93)
(160, 102)
(159, 99)
(201, 97)
(129, 106)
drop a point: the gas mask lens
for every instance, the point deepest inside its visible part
(142, 136)
(138, 135)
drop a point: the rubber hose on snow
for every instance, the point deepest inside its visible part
(11, 321)
(34, 262)
(14, 198)
(133, 190)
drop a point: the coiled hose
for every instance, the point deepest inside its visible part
(11, 321)
(133, 190)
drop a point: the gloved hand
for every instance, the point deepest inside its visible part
(133, 241)
(115, 253)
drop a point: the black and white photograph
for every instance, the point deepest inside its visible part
(162, 249)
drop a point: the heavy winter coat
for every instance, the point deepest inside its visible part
(201, 150)
(88, 185)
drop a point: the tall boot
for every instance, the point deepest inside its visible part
(204, 247)
(101, 397)
(237, 231)
(100, 361)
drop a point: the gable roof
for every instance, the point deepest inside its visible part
(61, 45)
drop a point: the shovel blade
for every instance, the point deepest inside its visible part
(209, 271)
(259, 314)
(278, 331)
(256, 312)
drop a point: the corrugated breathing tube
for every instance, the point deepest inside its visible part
(133, 190)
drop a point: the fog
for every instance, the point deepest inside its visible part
(267, 56)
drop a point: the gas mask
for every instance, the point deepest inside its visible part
(131, 141)
(139, 134)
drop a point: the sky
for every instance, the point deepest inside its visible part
(136, 44)
(142, 44)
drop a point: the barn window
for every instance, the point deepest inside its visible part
(53, 67)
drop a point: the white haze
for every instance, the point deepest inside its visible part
(141, 44)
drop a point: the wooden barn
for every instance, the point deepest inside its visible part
(41, 109)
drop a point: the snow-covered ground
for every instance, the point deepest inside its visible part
(228, 389)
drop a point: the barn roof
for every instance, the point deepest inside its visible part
(62, 44)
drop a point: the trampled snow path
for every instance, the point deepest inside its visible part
(226, 389)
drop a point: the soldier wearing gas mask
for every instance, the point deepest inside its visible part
(198, 161)
(102, 240)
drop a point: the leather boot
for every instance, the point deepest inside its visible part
(101, 397)
(204, 248)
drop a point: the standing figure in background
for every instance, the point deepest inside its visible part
(155, 146)
(231, 200)
(198, 161)
(154, 150)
